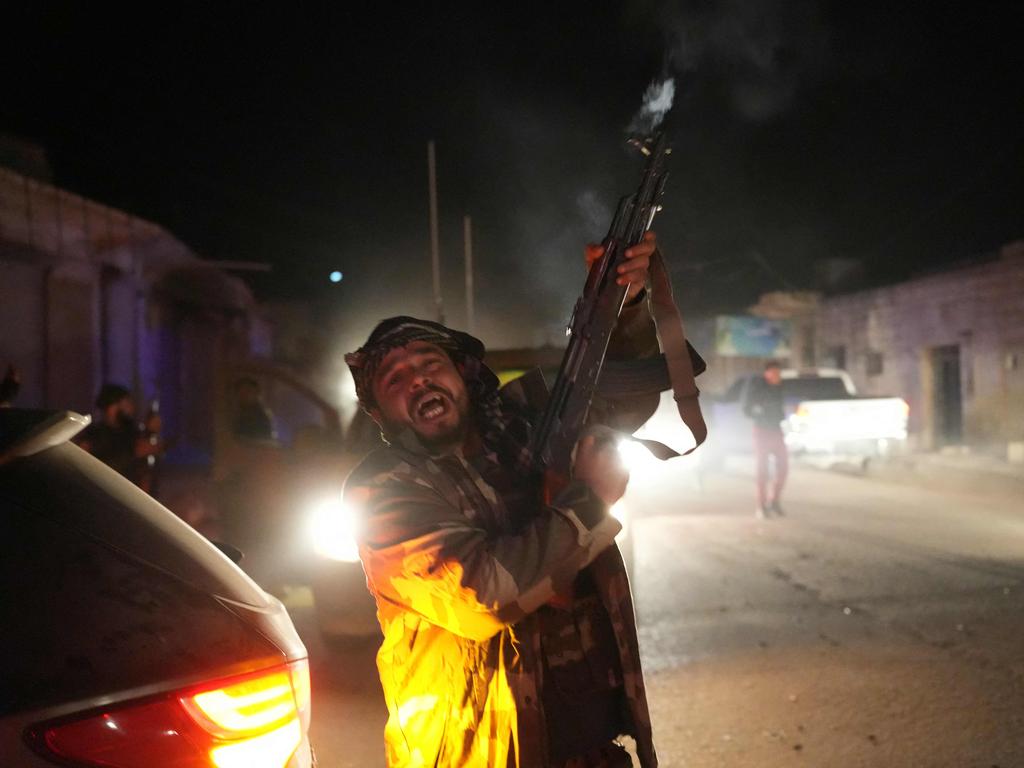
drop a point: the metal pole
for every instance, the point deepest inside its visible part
(467, 236)
(86, 231)
(29, 233)
(435, 248)
(58, 217)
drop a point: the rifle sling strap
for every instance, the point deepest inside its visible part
(669, 325)
(623, 379)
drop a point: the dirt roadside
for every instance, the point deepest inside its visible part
(900, 705)
(976, 474)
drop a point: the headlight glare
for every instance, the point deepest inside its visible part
(620, 513)
(333, 530)
(635, 457)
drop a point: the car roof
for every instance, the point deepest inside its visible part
(26, 431)
(812, 373)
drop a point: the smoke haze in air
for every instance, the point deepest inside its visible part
(801, 130)
(765, 51)
(658, 99)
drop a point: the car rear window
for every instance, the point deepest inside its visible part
(82, 619)
(815, 388)
(732, 394)
(16, 423)
(76, 491)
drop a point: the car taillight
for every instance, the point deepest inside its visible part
(257, 720)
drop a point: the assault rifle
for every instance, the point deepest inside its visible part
(594, 318)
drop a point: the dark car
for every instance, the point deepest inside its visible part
(129, 639)
(280, 498)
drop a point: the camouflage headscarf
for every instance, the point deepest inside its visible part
(397, 332)
(503, 423)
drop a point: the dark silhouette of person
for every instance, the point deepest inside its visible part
(252, 417)
(111, 438)
(764, 406)
(10, 385)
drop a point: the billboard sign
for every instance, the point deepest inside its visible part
(743, 336)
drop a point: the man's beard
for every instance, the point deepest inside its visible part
(437, 442)
(444, 440)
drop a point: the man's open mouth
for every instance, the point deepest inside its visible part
(431, 407)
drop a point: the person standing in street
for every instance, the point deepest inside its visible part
(509, 635)
(115, 437)
(252, 417)
(111, 438)
(764, 405)
(10, 385)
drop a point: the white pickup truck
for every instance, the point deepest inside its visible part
(825, 417)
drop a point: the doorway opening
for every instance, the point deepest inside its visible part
(948, 413)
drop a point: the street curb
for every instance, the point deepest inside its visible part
(940, 473)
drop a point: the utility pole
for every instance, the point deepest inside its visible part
(435, 248)
(467, 238)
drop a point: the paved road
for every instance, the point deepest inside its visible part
(875, 625)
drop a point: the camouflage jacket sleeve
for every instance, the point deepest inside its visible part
(423, 553)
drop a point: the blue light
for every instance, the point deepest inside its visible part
(336, 276)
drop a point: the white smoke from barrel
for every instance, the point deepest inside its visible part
(658, 100)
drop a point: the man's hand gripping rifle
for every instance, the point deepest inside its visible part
(594, 318)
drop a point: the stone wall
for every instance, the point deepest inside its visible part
(892, 336)
(90, 294)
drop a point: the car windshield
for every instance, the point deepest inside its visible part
(814, 388)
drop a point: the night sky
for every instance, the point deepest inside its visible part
(802, 130)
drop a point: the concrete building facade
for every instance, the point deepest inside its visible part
(90, 294)
(951, 344)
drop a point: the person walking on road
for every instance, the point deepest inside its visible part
(764, 405)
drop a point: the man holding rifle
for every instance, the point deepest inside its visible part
(509, 636)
